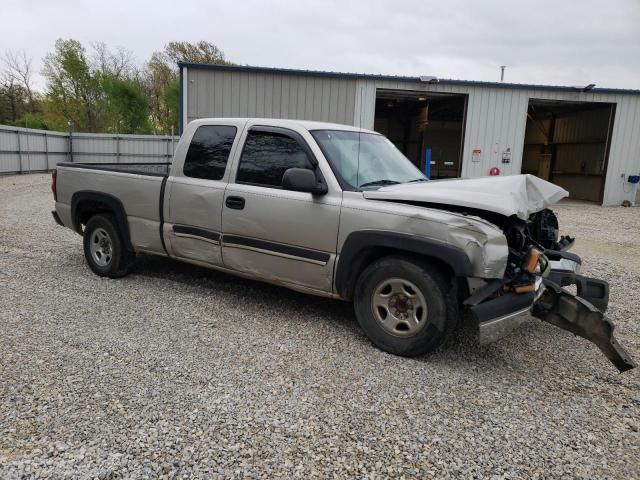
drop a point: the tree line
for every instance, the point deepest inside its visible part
(99, 89)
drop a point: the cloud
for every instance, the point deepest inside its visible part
(548, 42)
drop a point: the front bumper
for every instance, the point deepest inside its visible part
(581, 314)
(500, 316)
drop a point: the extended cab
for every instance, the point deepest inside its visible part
(337, 211)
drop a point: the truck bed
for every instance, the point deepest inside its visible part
(138, 187)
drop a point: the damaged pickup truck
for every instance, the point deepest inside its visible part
(337, 211)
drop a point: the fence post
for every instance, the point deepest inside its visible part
(117, 148)
(71, 141)
(46, 150)
(28, 152)
(173, 144)
(19, 150)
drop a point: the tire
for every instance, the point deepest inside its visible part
(104, 249)
(405, 306)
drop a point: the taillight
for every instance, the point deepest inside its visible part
(54, 188)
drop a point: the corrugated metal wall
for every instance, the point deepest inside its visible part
(496, 116)
(25, 149)
(213, 93)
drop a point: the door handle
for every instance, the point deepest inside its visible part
(237, 203)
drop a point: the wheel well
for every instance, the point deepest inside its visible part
(89, 208)
(367, 256)
(86, 204)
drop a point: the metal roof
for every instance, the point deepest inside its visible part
(400, 78)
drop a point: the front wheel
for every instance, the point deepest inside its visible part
(103, 248)
(405, 305)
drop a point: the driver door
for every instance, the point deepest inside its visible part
(275, 234)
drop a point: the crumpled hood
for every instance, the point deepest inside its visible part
(519, 195)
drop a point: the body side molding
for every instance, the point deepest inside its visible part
(195, 232)
(278, 249)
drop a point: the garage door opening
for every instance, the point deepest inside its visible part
(567, 143)
(425, 126)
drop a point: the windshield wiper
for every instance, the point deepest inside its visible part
(383, 181)
(418, 180)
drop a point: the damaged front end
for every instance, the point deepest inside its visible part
(537, 270)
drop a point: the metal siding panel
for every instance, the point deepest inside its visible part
(317, 100)
(244, 96)
(624, 156)
(226, 95)
(268, 96)
(308, 99)
(285, 97)
(235, 95)
(332, 102)
(259, 99)
(301, 103)
(500, 131)
(207, 98)
(350, 104)
(215, 109)
(341, 97)
(520, 123)
(325, 105)
(294, 101)
(277, 97)
(252, 102)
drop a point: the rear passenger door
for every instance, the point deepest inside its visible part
(195, 192)
(275, 234)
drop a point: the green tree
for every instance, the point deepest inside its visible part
(161, 83)
(199, 52)
(73, 91)
(32, 120)
(157, 76)
(125, 106)
(16, 80)
(171, 101)
(13, 101)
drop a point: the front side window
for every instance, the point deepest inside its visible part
(267, 155)
(209, 151)
(366, 161)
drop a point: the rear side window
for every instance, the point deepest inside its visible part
(267, 155)
(209, 151)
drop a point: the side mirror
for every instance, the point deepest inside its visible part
(302, 180)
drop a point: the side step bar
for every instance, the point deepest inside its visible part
(576, 315)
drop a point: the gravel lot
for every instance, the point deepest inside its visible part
(177, 371)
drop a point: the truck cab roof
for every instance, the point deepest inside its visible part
(285, 123)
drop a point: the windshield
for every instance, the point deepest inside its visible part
(366, 160)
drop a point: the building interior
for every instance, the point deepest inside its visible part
(423, 125)
(567, 143)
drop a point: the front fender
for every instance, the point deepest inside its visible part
(359, 246)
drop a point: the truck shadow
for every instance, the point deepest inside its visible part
(516, 353)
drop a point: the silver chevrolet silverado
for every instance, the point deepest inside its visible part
(337, 211)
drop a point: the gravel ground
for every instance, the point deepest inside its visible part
(180, 372)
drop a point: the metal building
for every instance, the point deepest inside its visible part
(584, 139)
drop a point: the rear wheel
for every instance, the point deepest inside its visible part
(404, 305)
(104, 249)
